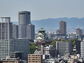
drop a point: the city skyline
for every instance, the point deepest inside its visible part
(42, 9)
(41, 31)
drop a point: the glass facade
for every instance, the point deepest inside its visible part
(8, 47)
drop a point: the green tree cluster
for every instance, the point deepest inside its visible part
(32, 47)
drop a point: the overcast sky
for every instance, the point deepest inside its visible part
(42, 9)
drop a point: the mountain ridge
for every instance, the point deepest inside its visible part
(52, 24)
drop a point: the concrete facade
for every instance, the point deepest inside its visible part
(63, 47)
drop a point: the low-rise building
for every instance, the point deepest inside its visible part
(50, 60)
(12, 60)
(34, 58)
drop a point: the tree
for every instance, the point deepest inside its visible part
(32, 47)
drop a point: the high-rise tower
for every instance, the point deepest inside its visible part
(5, 28)
(62, 27)
(26, 29)
(24, 20)
(8, 40)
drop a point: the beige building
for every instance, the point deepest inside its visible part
(34, 58)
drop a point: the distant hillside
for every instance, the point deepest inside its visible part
(52, 24)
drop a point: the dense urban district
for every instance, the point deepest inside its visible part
(19, 43)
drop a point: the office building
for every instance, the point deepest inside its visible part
(5, 28)
(34, 58)
(15, 31)
(78, 47)
(9, 45)
(63, 47)
(62, 27)
(24, 20)
(14, 39)
(24, 17)
(26, 29)
(31, 32)
(82, 49)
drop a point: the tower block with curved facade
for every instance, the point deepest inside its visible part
(26, 29)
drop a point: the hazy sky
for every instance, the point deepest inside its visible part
(41, 9)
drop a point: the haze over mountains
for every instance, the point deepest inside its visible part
(52, 24)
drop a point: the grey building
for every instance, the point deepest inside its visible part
(78, 47)
(5, 28)
(8, 44)
(24, 20)
(63, 47)
(15, 31)
(9, 47)
(62, 27)
(82, 49)
(24, 17)
(26, 29)
(30, 31)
